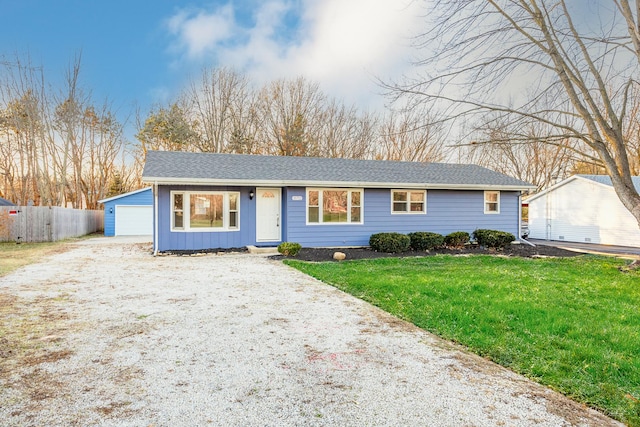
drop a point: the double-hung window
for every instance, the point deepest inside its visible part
(334, 206)
(408, 201)
(492, 202)
(205, 211)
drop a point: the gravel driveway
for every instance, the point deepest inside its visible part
(117, 337)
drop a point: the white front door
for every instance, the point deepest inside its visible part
(268, 215)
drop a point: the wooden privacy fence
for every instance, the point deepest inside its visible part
(46, 224)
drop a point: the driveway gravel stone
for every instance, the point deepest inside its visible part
(128, 339)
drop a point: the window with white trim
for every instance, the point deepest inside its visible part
(205, 211)
(334, 206)
(177, 211)
(408, 201)
(492, 202)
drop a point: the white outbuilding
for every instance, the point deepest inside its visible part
(585, 209)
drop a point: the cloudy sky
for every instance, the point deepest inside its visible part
(139, 53)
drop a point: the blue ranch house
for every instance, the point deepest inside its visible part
(206, 200)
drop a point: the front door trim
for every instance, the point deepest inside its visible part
(268, 223)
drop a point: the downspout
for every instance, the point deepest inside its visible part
(155, 218)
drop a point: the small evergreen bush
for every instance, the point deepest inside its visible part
(289, 248)
(425, 240)
(457, 239)
(494, 239)
(389, 242)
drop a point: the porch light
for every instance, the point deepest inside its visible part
(251, 194)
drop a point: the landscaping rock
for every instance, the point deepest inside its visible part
(339, 256)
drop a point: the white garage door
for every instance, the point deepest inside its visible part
(134, 220)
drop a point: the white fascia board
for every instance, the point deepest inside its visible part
(337, 184)
(124, 195)
(553, 187)
(565, 182)
(610, 186)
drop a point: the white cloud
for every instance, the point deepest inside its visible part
(342, 44)
(352, 41)
(200, 32)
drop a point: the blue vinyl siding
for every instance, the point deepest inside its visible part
(143, 198)
(181, 240)
(447, 211)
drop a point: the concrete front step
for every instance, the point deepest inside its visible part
(269, 250)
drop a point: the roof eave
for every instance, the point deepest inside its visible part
(334, 184)
(563, 183)
(124, 195)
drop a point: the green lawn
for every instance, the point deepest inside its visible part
(13, 256)
(572, 324)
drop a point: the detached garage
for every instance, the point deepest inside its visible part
(584, 209)
(129, 214)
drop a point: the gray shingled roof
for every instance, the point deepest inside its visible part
(171, 167)
(5, 202)
(606, 180)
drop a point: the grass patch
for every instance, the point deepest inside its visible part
(14, 256)
(569, 323)
(32, 333)
(31, 330)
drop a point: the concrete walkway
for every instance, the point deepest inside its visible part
(104, 240)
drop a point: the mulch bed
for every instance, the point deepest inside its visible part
(206, 251)
(520, 250)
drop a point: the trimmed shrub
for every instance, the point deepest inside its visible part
(493, 238)
(425, 240)
(289, 248)
(457, 239)
(389, 242)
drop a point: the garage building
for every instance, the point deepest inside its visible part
(584, 209)
(129, 214)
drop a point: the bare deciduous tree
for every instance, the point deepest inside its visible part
(345, 133)
(246, 127)
(55, 149)
(291, 110)
(217, 101)
(538, 61)
(521, 153)
(222, 112)
(22, 122)
(632, 132)
(68, 144)
(410, 136)
(104, 141)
